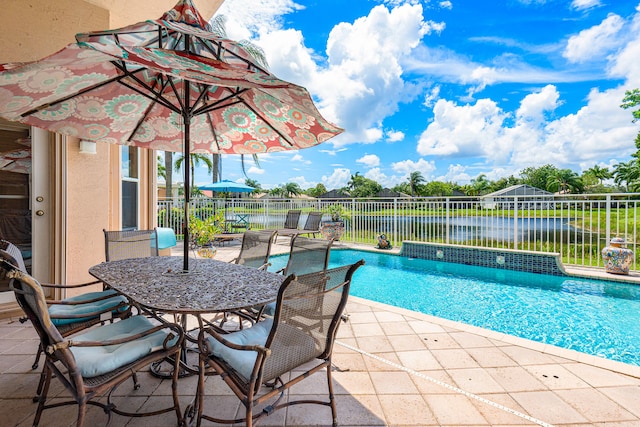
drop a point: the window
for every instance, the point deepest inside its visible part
(130, 183)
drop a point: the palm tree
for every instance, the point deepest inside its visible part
(168, 177)
(627, 173)
(415, 180)
(599, 173)
(564, 180)
(196, 159)
(478, 186)
(291, 189)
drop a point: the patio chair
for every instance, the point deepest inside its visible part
(256, 248)
(74, 314)
(311, 226)
(280, 351)
(130, 244)
(307, 256)
(93, 364)
(254, 252)
(291, 220)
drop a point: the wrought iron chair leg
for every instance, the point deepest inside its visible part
(37, 361)
(332, 400)
(47, 374)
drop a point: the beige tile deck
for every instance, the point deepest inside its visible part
(393, 367)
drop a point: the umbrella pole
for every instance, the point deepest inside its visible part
(187, 182)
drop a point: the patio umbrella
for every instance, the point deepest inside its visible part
(226, 186)
(167, 84)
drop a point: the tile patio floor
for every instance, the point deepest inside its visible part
(393, 367)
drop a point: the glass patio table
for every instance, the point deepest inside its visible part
(159, 286)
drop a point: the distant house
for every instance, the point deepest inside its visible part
(387, 195)
(334, 194)
(526, 195)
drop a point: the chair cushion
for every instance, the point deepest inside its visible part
(241, 360)
(94, 361)
(62, 310)
(166, 237)
(269, 309)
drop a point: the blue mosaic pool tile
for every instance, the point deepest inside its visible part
(540, 263)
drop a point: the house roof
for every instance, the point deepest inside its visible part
(519, 190)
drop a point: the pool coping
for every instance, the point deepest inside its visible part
(573, 355)
(581, 272)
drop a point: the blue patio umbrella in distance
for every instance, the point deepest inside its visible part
(226, 186)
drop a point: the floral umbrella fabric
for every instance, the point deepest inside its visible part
(136, 96)
(167, 84)
(18, 161)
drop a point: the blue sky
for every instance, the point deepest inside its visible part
(452, 88)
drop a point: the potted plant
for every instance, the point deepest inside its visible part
(203, 234)
(333, 229)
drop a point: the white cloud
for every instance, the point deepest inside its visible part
(254, 170)
(431, 97)
(299, 159)
(333, 152)
(584, 4)
(446, 4)
(369, 160)
(406, 167)
(596, 130)
(394, 135)
(456, 173)
(381, 178)
(360, 82)
(593, 42)
(534, 105)
(468, 130)
(338, 179)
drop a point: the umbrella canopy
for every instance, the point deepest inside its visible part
(227, 186)
(167, 84)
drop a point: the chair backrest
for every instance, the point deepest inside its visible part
(313, 221)
(307, 255)
(13, 255)
(293, 216)
(31, 299)
(307, 315)
(256, 248)
(130, 244)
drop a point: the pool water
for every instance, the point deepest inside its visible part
(601, 318)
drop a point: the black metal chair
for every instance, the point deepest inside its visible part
(93, 364)
(271, 352)
(130, 244)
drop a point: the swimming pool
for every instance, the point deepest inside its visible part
(601, 318)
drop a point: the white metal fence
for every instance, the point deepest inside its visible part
(576, 226)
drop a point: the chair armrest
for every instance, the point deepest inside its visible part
(218, 337)
(54, 286)
(124, 306)
(174, 327)
(84, 301)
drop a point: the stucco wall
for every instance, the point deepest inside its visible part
(32, 29)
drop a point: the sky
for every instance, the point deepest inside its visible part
(452, 89)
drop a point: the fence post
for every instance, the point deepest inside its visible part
(607, 220)
(515, 222)
(395, 222)
(447, 217)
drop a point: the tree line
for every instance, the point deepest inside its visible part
(597, 179)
